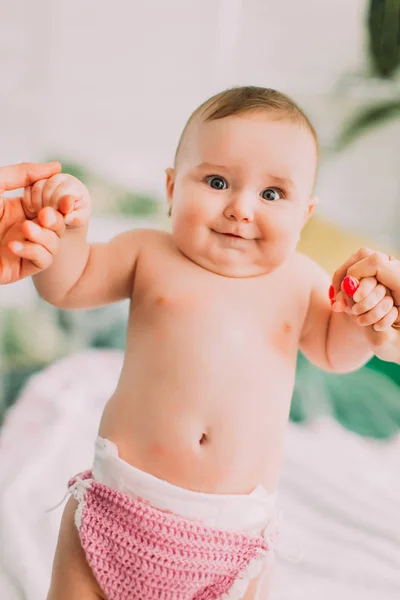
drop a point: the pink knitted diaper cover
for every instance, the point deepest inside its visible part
(147, 539)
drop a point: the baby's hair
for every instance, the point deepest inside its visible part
(241, 100)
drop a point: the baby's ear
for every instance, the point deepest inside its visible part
(312, 203)
(169, 184)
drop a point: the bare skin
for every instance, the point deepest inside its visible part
(212, 416)
(213, 426)
(219, 309)
(204, 393)
(17, 219)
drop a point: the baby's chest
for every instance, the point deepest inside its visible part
(229, 310)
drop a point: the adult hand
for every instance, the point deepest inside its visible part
(367, 263)
(368, 268)
(18, 224)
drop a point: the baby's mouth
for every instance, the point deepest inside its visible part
(229, 234)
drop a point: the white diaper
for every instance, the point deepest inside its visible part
(252, 514)
(245, 513)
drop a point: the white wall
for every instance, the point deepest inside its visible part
(112, 83)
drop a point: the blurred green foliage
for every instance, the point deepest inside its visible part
(383, 24)
(383, 31)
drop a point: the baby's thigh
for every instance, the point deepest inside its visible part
(260, 588)
(72, 578)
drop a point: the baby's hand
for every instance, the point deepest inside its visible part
(373, 308)
(369, 302)
(372, 303)
(65, 194)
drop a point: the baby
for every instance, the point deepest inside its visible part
(180, 501)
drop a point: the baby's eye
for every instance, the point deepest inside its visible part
(217, 183)
(272, 194)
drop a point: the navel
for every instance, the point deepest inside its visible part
(203, 439)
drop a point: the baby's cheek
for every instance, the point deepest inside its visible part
(284, 238)
(284, 226)
(192, 213)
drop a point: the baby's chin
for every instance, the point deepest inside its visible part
(233, 267)
(236, 271)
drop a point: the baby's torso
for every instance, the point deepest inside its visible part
(205, 390)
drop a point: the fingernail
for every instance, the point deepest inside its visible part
(51, 218)
(350, 285)
(331, 292)
(17, 246)
(68, 219)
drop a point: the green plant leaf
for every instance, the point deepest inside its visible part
(367, 119)
(384, 36)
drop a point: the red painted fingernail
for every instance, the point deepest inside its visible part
(350, 285)
(331, 292)
(332, 301)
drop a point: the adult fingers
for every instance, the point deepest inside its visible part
(380, 266)
(13, 177)
(52, 219)
(341, 273)
(42, 236)
(37, 254)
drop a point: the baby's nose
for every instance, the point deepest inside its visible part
(241, 208)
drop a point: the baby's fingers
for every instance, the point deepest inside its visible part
(38, 255)
(379, 312)
(66, 204)
(388, 320)
(366, 286)
(78, 217)
(377, 293)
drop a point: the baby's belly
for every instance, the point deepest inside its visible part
(205, 416)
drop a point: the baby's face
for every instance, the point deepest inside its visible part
(241, 193)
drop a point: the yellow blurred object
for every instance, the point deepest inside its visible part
(330, 246)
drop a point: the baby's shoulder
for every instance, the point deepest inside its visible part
(147, 238)
(304, 269)
(310, 276)
(156, 246)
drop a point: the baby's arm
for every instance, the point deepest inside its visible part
(81, 275)
(87, 275)
(331, 341)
